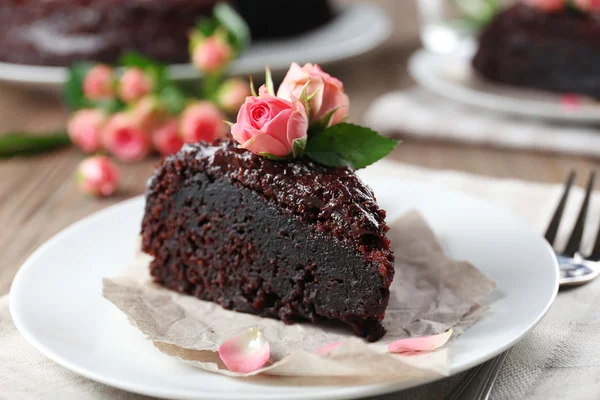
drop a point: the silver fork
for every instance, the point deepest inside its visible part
(575, 269)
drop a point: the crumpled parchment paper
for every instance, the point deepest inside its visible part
(430, 294)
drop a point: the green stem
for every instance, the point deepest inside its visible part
(210, 84)
(23, 144)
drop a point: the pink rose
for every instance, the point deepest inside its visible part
(271, 125)
(588, 5)
(547, 5)
(98, 176)
(85, 129)
(134, 85)
(212, 54)
(124, 138)
(202, 121)
(166, 139)
(330, 92)
(98, 83)
(232, 94)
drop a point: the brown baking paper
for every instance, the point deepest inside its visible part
(431, 293)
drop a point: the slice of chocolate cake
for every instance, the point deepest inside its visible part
(288, 240)
(556, 51)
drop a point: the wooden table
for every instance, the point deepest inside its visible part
(39, 197)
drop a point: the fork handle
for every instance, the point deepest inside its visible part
(480, 381)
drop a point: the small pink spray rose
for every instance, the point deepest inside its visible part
(98, 176)
(98, 83)
(166, 139)
(202, 121)
(124, 138)
(85, 129)
(212, 54)
(326, 93)
(134, 84)
(271, 126)
(232, 94)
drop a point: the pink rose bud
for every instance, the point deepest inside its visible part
(124, 138)
(98, 83)
(148, 113)
(98, 176)
(166, 139)
(588, 5)
(202, 121)
(547, 5)
(85, 129)
(134, 85)
(212, 54)
(328, 92)
(232, 94)
(272, 126)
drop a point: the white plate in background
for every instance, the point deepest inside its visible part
(56, 300)
(453, 77)
(355, 30)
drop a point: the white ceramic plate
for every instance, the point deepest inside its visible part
(355, 30)
(56, 300)
(454, 78)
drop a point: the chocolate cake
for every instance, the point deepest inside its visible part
(556, 51)
(59, 32)
(288, 240)
(276, 18)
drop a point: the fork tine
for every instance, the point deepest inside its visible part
(575, 239)
(554, 224)
(595, 256)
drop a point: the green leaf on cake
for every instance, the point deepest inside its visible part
(348, 145)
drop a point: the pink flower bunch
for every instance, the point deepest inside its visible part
(131, 135)
(558, 5)
(102, 82)
(277, 126)
(145, 125)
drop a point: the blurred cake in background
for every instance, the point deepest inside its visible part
(279, 18)
(58, 32)
(556, 50)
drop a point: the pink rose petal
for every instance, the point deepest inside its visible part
(246, 352)
(327, 348)
(423, 343)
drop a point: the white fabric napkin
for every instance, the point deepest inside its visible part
(419, 114)
(559, 359)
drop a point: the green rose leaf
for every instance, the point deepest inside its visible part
(173, 99)
(237, 29)
(206, 26)
(348, 145)
(73, 89)
(23, 144)
(298, 147)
